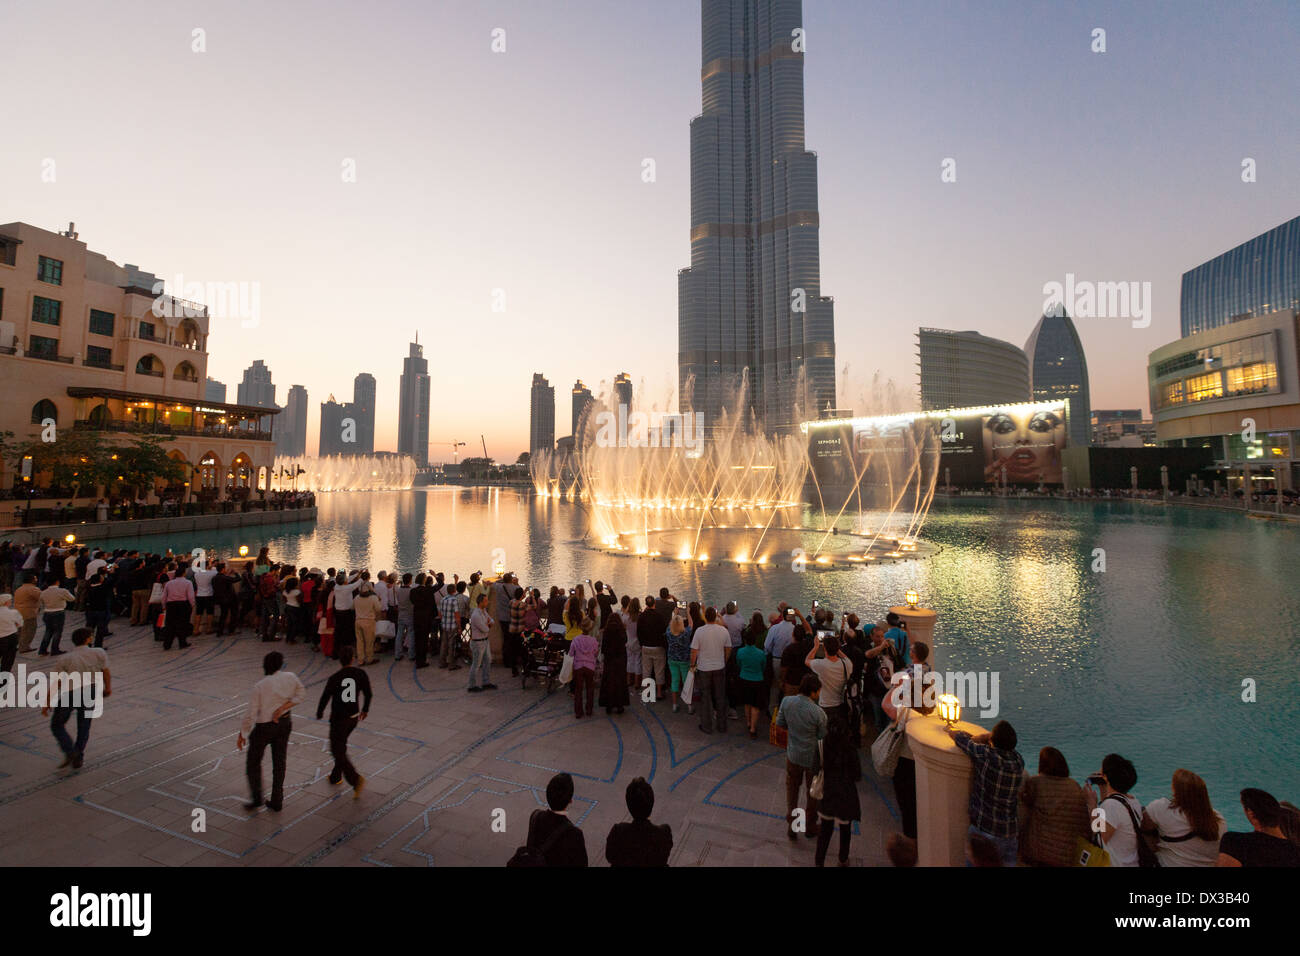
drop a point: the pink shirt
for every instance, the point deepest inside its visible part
(584, 649)
(178, 589)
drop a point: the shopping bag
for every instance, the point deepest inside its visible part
(327, 643)
(888, 746)
(777, 735)
(688, 686)
(385, 629)
(566, 669)
(817, 788)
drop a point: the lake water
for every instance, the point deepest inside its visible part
(1146, 659)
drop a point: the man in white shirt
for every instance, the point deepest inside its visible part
(345, 617)
(833, 670)
(203, 598)
(85, 662)
(54, 605)
(710, 648)
(779, 635)
(268, 723)
(11, 623)
(96, 563)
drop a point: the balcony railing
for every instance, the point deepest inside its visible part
(153, 373)
(162, 428)
(107, 366)
(50, 357)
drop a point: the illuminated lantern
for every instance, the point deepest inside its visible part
(949, 708)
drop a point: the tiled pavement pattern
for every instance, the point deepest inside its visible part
(438, 763)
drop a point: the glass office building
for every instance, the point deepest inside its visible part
(750, 305)
(1256, 278)
(962, 369)
(1058, 371)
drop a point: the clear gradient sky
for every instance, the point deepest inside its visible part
(521, 171)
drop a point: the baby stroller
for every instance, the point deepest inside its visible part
(543, 658)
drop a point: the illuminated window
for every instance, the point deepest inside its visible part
(1171, 393)
(1258, 377)
(1203, 387)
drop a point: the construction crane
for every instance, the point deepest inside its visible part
(484, 441)
(455, 449)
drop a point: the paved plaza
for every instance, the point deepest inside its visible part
(438, 763)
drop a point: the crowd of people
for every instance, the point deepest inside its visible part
(823, 685)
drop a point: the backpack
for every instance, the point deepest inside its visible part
(267, 585)
(528, 856)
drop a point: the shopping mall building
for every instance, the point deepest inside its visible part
(1231, 384)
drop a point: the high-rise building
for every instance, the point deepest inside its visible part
(291, 429)
(1058, 370)
(1258, 277)
(623, 389)
(257, 387)
(541, 419)
(332, 415)
(967, 369)
(582, 397)
(363, 410)
(214, 391)
(751, 300)
(413, 406)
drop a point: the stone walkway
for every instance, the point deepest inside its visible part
(438, 762)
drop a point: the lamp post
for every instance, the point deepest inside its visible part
(1164, 481)
(1133, 480)
(947, 480)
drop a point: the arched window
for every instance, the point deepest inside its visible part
(42, 410)
(185, 372)
(99, 416)
(150, 365)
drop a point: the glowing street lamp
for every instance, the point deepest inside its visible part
(912, 598)
(243, 550)
(69, 538)
(949, 708)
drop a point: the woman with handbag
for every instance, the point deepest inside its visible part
(836, 788)
(896, 705)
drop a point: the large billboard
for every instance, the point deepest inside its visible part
(1020, 444)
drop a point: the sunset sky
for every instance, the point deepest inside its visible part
(521, 172)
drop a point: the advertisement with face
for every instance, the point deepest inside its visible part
(1027, 443)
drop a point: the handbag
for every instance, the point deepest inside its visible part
(385, 629)
(1087, 853)
(688, 686)
(885, 751)
(566, 669)
(777, 735)
(818, 786)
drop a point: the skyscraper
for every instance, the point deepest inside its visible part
(751, 298)
(623, 389)
(581, 399)
(363, 410)
(291, 426)
(214, 391)
(964, 369)
(1058, 370)
(413, 406)
(1258, 277)
(257, 388)
(541, 420)
(332, 414)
